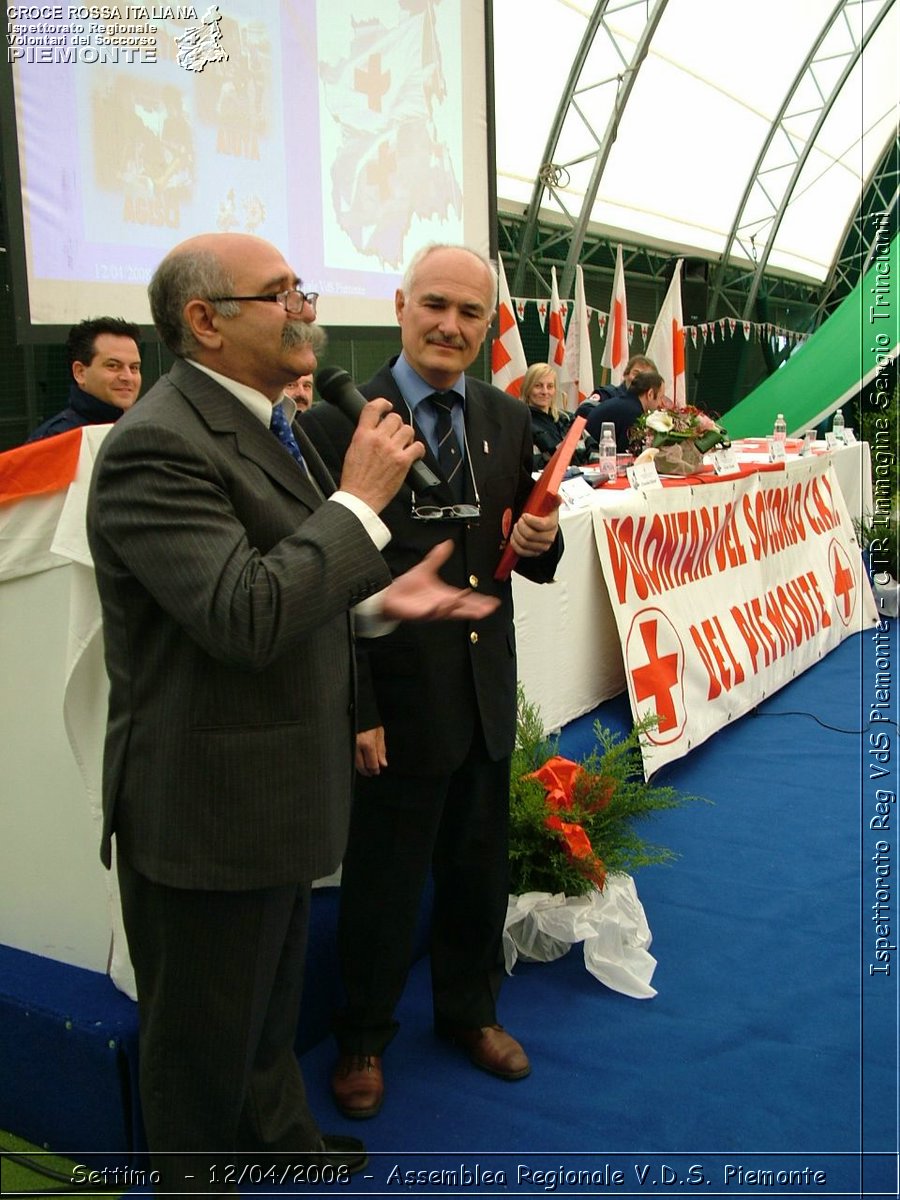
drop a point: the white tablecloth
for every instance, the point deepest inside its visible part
(56, 899)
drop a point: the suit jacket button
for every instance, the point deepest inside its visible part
(473, 581)
(473, 637)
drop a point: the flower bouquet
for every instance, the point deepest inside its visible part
(572, 844)
(680, 437)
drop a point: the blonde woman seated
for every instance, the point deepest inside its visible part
(549, 422)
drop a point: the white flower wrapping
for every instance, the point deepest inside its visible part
(541, 927)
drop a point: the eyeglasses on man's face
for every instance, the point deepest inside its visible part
(292, 300)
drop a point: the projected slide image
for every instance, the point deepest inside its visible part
(347, 132)
(142, 148)
(238, 97)
(392, 158)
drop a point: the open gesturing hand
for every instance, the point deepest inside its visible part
(421, 595)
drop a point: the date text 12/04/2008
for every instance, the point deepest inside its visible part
(221, 1175)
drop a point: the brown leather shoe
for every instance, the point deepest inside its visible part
(358, 1085)
(494, 1050)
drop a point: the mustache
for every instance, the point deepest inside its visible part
(301, 333)
(453, 343)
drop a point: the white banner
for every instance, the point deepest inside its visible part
(724, 592)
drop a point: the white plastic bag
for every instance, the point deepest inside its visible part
(541, 927)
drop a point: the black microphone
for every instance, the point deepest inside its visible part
(336, 386)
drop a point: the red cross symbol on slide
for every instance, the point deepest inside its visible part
(380, 172)
(372, 81)
(844, 581)
(658, 677)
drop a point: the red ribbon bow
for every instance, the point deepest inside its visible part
(559, 777)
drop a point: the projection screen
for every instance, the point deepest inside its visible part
(347, 132)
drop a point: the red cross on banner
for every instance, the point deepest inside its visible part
(659, 675)
(844, 582)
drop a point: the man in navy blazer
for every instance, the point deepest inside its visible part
(227, 566)
(437, 710)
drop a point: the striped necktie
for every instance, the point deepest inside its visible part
(281, 427)
(448, 450)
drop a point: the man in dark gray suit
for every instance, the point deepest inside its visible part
(437, 712)
(226, 579)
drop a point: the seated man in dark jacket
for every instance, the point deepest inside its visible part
(646, 392)
(106, 375)
(637, 362)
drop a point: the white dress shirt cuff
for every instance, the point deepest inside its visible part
(367, 619)
(373, 524)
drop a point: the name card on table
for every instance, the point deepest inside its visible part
(643, 476)
(831, 441)
(725, 461)
(849, 436)
(777, 451)
(576, 492)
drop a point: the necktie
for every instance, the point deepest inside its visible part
(280, 426)
(448, 451)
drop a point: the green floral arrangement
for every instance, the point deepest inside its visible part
(573, 823)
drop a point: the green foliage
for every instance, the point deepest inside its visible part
(607, 800)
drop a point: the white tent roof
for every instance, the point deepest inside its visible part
(698, 118)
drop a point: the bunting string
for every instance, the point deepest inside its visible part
(705, 332)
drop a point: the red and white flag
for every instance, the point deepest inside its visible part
(577, 376)
(556, 355)
(615, 352)
(666, 345)
(508, 364)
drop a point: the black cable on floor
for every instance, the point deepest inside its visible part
(48, 1172)
(755, 712)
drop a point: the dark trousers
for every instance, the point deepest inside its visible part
(219, 978)
(458, 825)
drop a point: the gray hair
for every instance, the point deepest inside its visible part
(180, 277)
(409, 275)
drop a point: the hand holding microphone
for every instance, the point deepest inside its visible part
(369, 416)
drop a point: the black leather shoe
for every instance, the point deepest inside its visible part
(338, 1151)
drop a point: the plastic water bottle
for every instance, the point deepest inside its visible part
(837, 425)
(779, 433)
(606, 462)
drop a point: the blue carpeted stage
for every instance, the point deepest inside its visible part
(767, 1062)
